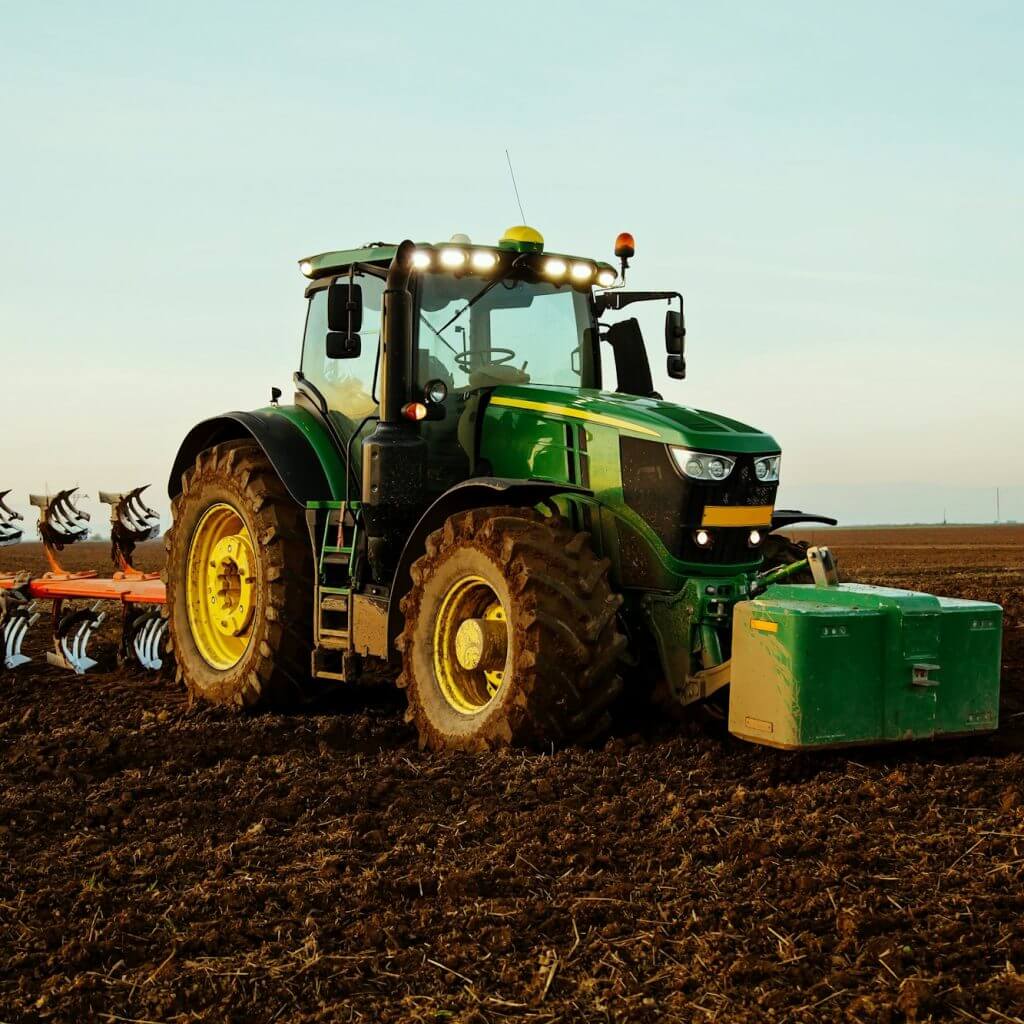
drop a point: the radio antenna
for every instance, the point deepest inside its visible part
(515, 186)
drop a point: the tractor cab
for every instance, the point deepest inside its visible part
(483, 318)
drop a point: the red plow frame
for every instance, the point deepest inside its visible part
(141, 596)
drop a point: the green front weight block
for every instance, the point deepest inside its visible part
(852, 664)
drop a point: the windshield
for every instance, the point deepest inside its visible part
(515, 332)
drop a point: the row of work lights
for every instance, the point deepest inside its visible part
(556, 268)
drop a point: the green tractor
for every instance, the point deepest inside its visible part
(455, 500)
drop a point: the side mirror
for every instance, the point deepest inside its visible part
(345, 307)
(343, 346)
(675, 332)
(344, 320)
(675, 366)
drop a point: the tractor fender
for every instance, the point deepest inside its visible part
(291, 451)
(783, 517)
(480, 491)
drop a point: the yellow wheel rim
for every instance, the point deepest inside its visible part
(221, 586)
(467, 690)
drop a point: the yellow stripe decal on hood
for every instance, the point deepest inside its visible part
(578, 414)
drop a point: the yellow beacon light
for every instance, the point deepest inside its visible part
(522, 238)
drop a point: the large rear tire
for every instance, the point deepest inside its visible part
(511, 634)
(239, 578)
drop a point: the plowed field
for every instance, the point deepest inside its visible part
(161, 862)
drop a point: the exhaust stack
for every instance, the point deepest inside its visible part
(394, 455)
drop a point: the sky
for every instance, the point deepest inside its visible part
(835, 188)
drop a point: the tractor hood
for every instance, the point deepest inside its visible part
(649, 418)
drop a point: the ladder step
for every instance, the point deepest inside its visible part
(335, 590)
(336, 677)
(331, 549)
(334, 641)
(334, 603)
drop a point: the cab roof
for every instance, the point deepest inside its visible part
(326, 264)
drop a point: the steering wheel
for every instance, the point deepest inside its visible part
(483, 356)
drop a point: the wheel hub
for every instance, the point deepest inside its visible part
(482, 643)
(229, 584)
(470, 644)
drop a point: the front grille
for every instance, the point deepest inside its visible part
(673, 505)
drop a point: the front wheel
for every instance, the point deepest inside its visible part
(239, 581)
(511, 634)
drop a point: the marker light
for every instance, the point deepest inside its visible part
(414, 411)
(625, 246)
(700, 465)
(766, 468)
(606, 278)
(452, 257)
(306, 267)
(483, 260)
(703, 538)
(755, 538)
(421, 259)
(555, 267)
(582, 271)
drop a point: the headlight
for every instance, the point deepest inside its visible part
(702, 465)
(436, 391)
(766, 468)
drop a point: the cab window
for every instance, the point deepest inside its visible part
(347, 384)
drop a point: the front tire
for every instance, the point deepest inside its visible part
(511, 634)
(239, 578)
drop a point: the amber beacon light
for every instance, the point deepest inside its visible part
(625, 248)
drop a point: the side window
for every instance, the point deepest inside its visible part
(347, 384)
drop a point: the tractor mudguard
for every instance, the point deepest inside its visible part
(297, 445)
(783, 517)
(481, 490)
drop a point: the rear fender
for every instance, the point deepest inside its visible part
(296, 444)
(475, 493)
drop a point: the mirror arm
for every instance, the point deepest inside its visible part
(619, 300)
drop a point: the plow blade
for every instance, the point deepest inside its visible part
(10, 531)
(834, 666)
(143, 639)
(132, 522)
(61, 522)
(71, 635)
(17, 617)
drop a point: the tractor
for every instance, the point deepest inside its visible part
(455, 501)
